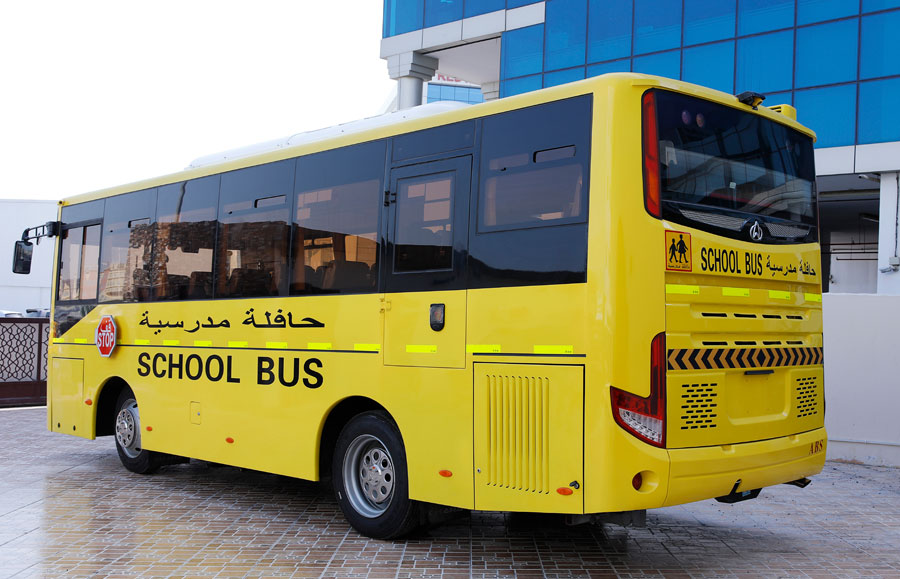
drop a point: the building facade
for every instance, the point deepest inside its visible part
(836, 61)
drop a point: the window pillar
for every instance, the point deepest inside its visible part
(888, 277)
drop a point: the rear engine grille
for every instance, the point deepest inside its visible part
(699, 408)
(519, 433)
(807, 396)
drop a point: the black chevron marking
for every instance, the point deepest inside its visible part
(718, 357)
(692, 359)
(705, 359)
(680, 359)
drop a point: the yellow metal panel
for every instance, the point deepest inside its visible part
(528, 437)
(409, 339)
(195, 413)
(70, 415)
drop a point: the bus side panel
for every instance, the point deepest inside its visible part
(433, 410)
(626, 282)
(68, 414)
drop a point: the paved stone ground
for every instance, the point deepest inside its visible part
(69, 509)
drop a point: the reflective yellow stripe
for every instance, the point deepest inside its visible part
(142, 342)
(57, 340)
(367, 347)
(421, 349)
(278, 345)
(202, 343)
(779, 295)
(813, 297)
(736, 292)
(552, 349)
(483, 348)
(318, 345)
(171, 342)
(688, 290)
(237, 344)
(80, 340)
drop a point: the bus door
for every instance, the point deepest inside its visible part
(425, 254)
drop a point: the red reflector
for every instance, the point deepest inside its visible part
(88, 401)
(149, 429)
(229, 440)
(637, 481)
(565, 491)
(445, 473)
(651, 155)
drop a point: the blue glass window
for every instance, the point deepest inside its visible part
(711, 65)
(609, 30)
(523, 51)
(765, 63)
(402, 16)
(434, 92)
(442, 11)
(779, 98)
(517, 3)
(838, 64)
(873, 5)
(830, 112)
(708, 20)
(657, 25)
(879, 117)
(565, 23)
(616, 66)
(819, 10)
(755, 16)
(476, 7)
(563, 76)
(880, 45)
(664, 64)
(447, 93)
(519, 85)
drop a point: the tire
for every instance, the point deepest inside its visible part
(370, 480)
(128, 436)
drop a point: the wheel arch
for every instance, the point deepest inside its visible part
(339, 415)
(105, 417)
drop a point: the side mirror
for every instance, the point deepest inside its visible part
(22, 257)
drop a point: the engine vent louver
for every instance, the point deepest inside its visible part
(519, 433)
(807, 396)
(699, 408)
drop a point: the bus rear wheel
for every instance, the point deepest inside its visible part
(128, 436)
(370, 478)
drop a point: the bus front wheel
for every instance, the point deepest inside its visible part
(128, 436)
(370, 478)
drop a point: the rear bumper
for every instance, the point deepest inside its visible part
(702, 473)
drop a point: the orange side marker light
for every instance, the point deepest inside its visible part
(565, 491)
(445, 473)
(229, 440)
(149, 429)
(88, 401)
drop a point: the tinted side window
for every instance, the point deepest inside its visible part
(127, 246)
(186, 239)
(531, 221)
(335, 224)
(433, 141)
(253, 236)
(78, 264)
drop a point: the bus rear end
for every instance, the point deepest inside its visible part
(736, 395)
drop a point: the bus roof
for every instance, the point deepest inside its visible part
(409, 120)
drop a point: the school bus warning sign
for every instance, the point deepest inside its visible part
(678, 251)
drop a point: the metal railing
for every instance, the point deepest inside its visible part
(23, 361)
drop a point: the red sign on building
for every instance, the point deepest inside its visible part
(105, 336)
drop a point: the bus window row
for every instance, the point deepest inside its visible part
(310, 225)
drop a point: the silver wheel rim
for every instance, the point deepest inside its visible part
(368, 476)
(128, 429)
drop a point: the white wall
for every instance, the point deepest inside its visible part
(862, 377)
(888, 234)
(852, 273)
(20, 292)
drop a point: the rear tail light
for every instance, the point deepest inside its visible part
(651, 155)
(645, 418)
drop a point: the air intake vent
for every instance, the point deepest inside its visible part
(518, 433)
(699, 408)
(807, 396)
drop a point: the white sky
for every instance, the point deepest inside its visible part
(99, 93)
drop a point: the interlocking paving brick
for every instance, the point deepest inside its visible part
(69, 509)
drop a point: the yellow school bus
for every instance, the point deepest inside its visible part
(602, 297)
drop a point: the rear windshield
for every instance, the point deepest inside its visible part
(723, 169)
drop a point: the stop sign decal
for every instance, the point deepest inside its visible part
(105, 336)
